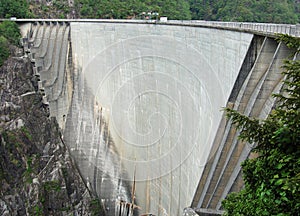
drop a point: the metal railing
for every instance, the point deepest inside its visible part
(269, 29)
(256, 28)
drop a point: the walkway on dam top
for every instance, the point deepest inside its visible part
(267, 29)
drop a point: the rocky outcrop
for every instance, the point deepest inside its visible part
(52, 9)
(37, 174)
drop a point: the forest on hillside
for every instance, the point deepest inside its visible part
(270, 11)
(273, 11)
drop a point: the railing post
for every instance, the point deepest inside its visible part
(297, 32)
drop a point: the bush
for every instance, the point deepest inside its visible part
(9, 34)
(4, 49)
(10, 30)
(13, 8)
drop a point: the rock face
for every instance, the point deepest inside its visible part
(51, 9)
(37, 175)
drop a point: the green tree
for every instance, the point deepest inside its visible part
(10, 30)
(272, 180)
(9, 34)
(4, 49)
(14, 8)
(275, 11)
(272, 11)
(118, 9)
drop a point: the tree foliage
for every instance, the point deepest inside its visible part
(14, 8)
(118, 9)
(272, 180)
(270, 11)
(10, 30)
(52, 9)
(9, 34)
(4, 49)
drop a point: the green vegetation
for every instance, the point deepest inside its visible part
(96, 207)
(15, 138)
(14, 8)
(38, 211)
(271, 11)
(26, 133)
(4, 49)
(272, 180)
(118, 9)
(12, 139)
(10, 30)
(9, 34)
(52, 186)
(61, 6)
(53, 9)
(28, 172)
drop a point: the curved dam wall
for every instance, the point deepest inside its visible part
(161, 89)
(138, 101)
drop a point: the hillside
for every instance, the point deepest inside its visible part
(270, 11)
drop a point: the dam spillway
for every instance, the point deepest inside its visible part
(139, 101)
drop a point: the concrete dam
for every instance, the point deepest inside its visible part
(140, 103)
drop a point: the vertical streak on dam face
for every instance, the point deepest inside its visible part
(160, 90)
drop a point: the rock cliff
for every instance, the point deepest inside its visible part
(37, 174)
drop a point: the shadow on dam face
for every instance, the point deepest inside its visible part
(143, 102)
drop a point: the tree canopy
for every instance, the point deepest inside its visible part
(272, 11)
(14, 8)
(272, 180)
(174, 9)
(9, 34)
(4, 47)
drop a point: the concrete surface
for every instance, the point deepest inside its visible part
(160, 89)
